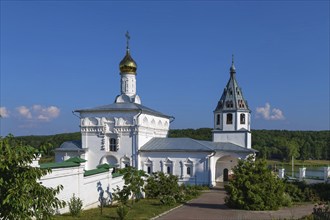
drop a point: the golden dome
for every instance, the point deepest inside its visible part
(127, 65)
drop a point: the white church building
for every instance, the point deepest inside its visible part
(127, 133)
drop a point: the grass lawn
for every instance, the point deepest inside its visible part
(144, 209)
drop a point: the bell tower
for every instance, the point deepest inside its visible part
(232, 115)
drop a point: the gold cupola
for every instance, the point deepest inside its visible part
(127, 65)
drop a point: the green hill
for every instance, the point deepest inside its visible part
(271, 144)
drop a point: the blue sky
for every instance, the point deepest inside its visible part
(58, 56)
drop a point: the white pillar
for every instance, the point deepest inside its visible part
(281, 172)
(302, 173)
(326, 173)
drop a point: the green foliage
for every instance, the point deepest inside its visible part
(50, 142)
(322, 190)
(271, 144)
(134, 181)
(163, 186)
(321, 211)
(295, 193)
(75, 205)
(254, 187)
(282, 144)
(122, 195)
(21, 194)
(122, 211)
(168, 200)
(190, 192)
(199, 134)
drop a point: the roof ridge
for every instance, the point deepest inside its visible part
(198, 141)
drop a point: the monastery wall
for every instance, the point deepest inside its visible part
(89, 188)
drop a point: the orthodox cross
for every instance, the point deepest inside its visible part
(127, 40)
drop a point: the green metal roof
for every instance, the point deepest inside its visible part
(72, 162)
(102, 168)
(58, 165)
(95, 171)
(76, 160)
(106, 166)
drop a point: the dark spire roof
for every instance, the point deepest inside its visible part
(232, 96)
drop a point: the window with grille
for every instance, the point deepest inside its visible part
(113, 144)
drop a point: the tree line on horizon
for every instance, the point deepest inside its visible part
(271, 144)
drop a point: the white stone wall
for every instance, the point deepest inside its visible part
(86, 188)
(98, 128)
(240, 138)
(178, 163)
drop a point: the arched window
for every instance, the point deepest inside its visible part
(242, 117)
(113, 144)
(149, 170)
(229, 118)
(218, 119)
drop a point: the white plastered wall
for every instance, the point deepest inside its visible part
(179, 161)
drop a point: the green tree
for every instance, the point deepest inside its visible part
(21, 194)
(134, 181)
(254, 187)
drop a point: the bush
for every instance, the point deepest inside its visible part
(122, 211)
(254, 187)
(189, 191)
(321, 211)
(167, 200)
(160, 184)
(75, 205)
(294, 192)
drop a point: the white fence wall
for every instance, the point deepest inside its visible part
(87, 188)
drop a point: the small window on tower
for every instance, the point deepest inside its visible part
(113, 144)
(149, 170)
(229, 118)
(242, 117)
(218, 119)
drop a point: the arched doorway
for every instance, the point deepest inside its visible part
(109, 159)
(225, 174)
(223, 167)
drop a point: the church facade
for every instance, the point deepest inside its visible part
(127, 133)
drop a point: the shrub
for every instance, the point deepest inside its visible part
(189, 191)
(75, 205)
(294, 192)
(160, 184)
(254, 187)
(122, 211)
(167, 200)
(321, 211)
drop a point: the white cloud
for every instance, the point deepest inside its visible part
(269, 114)
(4, 113)
(24, 112)
(38, 112)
